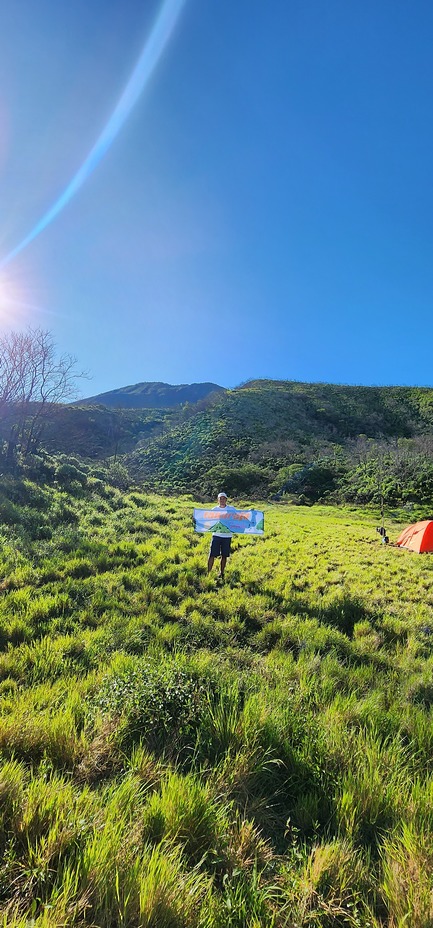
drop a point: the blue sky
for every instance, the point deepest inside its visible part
(265, 211)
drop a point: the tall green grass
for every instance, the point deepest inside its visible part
(174, 753)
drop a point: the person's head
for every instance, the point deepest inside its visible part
(222, 500)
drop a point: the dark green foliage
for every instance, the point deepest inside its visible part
(306, 442)
(158, 706)
(312, 482)
(67, 473)
(402, 476)
(245, 480)
(95, 432)
(309, 441)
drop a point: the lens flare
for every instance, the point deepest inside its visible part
(13, 308)
(146, 64)
(22, 301)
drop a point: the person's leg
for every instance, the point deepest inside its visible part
(225, 553)
(214, 551)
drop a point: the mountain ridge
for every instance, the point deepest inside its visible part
(252, 438)
(311, 441)
(151, 395)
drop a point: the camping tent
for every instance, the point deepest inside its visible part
(418, 537)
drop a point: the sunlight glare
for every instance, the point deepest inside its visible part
(14, 308)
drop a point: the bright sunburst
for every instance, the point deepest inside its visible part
(14, 307)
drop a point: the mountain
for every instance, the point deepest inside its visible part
(308, 441)
(257, 439)
(151, 395)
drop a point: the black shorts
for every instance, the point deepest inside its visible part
(220, 546)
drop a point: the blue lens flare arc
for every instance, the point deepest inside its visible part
(146, 64)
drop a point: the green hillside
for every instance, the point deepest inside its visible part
(173, 753)
(249, 439)
(100, 432)
(306, 443)
(93, 432)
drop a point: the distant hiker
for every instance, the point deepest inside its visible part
(384, 536)
(221, 543)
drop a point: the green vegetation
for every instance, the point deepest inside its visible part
(305, 443)
(98, 432)
(309, 442)
(182, 755)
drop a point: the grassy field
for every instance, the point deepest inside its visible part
(178, 754)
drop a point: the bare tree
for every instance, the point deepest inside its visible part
(32, 381)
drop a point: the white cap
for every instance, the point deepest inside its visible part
(222, 494)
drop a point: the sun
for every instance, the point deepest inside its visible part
(12, 304)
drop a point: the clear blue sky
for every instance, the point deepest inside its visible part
(266, 210)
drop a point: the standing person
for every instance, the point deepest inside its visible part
(221, 543)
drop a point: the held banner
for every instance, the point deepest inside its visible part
(226, 521)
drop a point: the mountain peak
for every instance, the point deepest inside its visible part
(152, 395)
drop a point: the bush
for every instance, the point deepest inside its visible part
(313, 482)
(69, 473)
(40, 467)
(9, 513)
(249, 480)
(155, 705)
(118, 476)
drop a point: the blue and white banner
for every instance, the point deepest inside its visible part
(238, 521)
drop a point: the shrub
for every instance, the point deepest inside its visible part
(161, 706)
(249, 480)
(69, 473)
(117, 475)
(140, 501)
(9, 513)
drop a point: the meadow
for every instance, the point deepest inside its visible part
(177, 753)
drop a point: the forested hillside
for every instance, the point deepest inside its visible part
(264, 439)
(311, 441)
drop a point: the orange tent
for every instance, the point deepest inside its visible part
(418, 537)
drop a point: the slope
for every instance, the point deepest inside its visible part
(265, 426)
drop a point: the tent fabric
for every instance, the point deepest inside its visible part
(417, 537)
